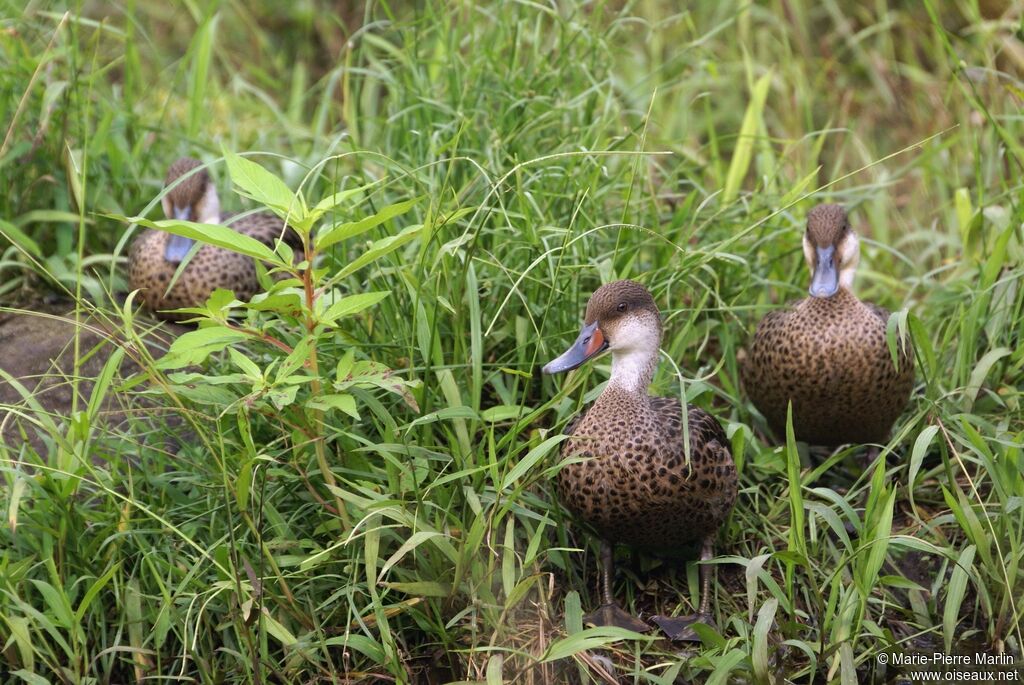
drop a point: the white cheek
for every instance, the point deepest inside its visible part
(848, 257)
(208, 207)
(809, 253)
(633, 335)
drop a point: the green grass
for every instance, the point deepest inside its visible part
(552, 148)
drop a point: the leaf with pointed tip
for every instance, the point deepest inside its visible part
(195, 346)
(378, 250)
(422, 588)
(340, 401)
(331, 201)
(350, 229)
(256, 182)
(19, 238)
(352, 304)
(213, 234)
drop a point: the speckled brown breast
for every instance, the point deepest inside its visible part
(635, 486)
(210, 268)
(830, 357)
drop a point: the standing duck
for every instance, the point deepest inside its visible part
(626, 473)
(155, 255)
(828, 353)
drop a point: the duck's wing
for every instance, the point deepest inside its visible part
(881, 312)
(711, 472)
(705, 429)
(670, 414)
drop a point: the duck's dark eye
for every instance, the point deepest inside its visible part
(621, 307)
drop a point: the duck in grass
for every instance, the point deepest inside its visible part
(625, 470)
(155, 256)
(828, 354)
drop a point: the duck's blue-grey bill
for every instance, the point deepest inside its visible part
(589, 343)
(176, 248)
(825, 281)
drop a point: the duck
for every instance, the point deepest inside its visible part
(624, 469)
(154, 256)
(827, 354)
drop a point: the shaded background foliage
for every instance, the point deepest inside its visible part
(554, 146)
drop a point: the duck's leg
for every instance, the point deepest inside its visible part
(680, 628)
(610, 613)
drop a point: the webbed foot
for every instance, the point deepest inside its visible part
(613, 615)
(680, 628)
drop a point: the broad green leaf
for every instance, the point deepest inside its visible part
(351, 304)
(276, 629)
(340, 401)
(18, 632)
(573, 613)
(248, 366)
(423, 588)
(331, 201)
(589, 638)
(213, 234)
(725, 665)
(340, 232)
(896, 336)
(288, 302)
(759, 648)
(964, 214)
(503, 412)
(194, 347)
(797, 533)
(378, 250)
(794, 193)
(30, 677)
(50, 216)
(243, 486)
(294, 361)
(900, 582)
(745, 142)
(955, 591)
(494, 666)
(103, 381)
(531, 459)
(201, 49)
(14, 500)
(360, 643)
(877, 542)
(446, 414)
(94, 590)
(256, 182)
(56, 603)
(980, 372)
(19, 238)
(344, 368)
(921, 445)
(412, 543)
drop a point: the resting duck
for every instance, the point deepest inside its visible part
(828, 353)
(155, 255)
(634, 485)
